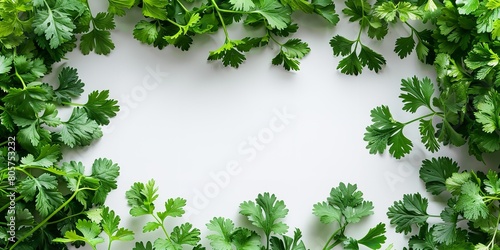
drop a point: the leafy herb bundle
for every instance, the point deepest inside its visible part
(469, 220)
(268, 231)
(43, 198)
(466, 107)
(56, 202)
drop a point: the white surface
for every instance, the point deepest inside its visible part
(186, 123)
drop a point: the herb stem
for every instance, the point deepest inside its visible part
(73, 104)
(274, 39)
(267, 240)
(16, 72)
(42, 223)
(415, 31)
(342, 228)
(8, 204)
(162, 227)
(490, 198)
(422, 117)
(219, 10)
(65, 218)
(492, 242)
(182, 6)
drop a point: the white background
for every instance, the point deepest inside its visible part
(190, 118)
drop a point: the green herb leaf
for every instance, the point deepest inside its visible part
(79, 130)
(435, 172)
(412, 210)
(266, 213)
(100, 108)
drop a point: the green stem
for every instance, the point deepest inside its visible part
(65, 218)
(274, 39)
(174, 23)
(415, 31)
(73, 104)
(3, 143)
(492, 244)
(267, 240)
(422, 117)
(232, 11)
(162, 227)
(182, 6)
(17, 73)
(490, 198)
(219, 10)
(109, 243)
(8, 204)
(341, 229)
(44, 222)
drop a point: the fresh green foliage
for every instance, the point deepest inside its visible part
(265, 214)
(92, 228)
(141, 198)
(468, 221)
(32, 138)
(387, 131)
(59, 203)
(358, 55)
(272, 17)
(52, 198)
(464, 49)
(226, 236)
(343, 207)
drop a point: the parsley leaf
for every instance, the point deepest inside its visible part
(90, 233)
(226, 236)
(375, 237)
(230, 53)
(435, 172)
(100, 108)
(404, 46)
(489, 112)
(141, 198)
(326, 9)
(106, 172)
(470, 201)
(70, 85)
(98, 41)
(276, 15)
(290, 52)
(386, 131)
(483, 59)
(118, 7)
(266, 213)
(288, 243)
(345, 206)
(155, 9)
(79, 130)
(48, 156)
(55, 24)
(416, 93)
(412, 210)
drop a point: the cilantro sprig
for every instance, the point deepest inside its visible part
(50, 195)
(266, 214)
(346, 206)
(141, 198)
(106, 222)
(468, 221)
(164, 27)
(358, 55)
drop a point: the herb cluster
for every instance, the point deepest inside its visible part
(344, 206)
(49, 202)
